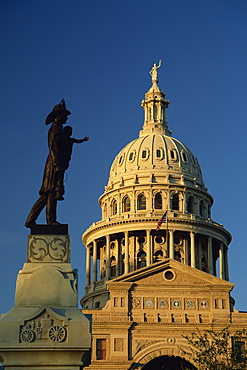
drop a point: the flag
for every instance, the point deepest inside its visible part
(161, 221)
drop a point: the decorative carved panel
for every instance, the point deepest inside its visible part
(48, 248)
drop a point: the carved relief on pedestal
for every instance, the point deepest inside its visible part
(45, 327)
(48, 248)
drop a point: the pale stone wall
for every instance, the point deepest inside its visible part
(150, 310)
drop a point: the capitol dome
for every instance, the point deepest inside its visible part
(159, 153)
(154, 177)
(155, 150)
(155, 162)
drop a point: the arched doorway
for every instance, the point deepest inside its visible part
(168, 363)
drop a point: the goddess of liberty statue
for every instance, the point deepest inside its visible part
(154, 72)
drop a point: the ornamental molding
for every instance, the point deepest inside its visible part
(157, 349)
(48, 248)
(191, 223)
(139, 345)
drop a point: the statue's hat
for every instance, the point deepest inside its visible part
(58, 109)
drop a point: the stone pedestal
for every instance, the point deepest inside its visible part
(45, 330)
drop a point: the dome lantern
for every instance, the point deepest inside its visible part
(154, 106)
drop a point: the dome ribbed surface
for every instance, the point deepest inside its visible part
(156, 153)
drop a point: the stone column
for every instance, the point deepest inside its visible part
(121, 267)
(88, 266)
(101, 263)
(149, 247)
(119, 205)
(108, 261)
(94, 260)
(117, 257)
(226, 264)
(171, 244)
(221, 253)
(126, 259)
(192, 249)
(186, 251)
(184, 201)
(210, 256)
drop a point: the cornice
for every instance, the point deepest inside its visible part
(192, 224)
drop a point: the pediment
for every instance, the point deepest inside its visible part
(172, 273)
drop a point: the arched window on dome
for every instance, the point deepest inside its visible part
(175, 202)
(114, 207)
(158, 201)
(141, 202)
(126, 204)
(202, 208)
(190, 204)
(141, 259)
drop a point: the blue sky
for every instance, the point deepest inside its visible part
(96, 54)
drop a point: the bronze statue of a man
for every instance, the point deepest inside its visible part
(52, 188)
